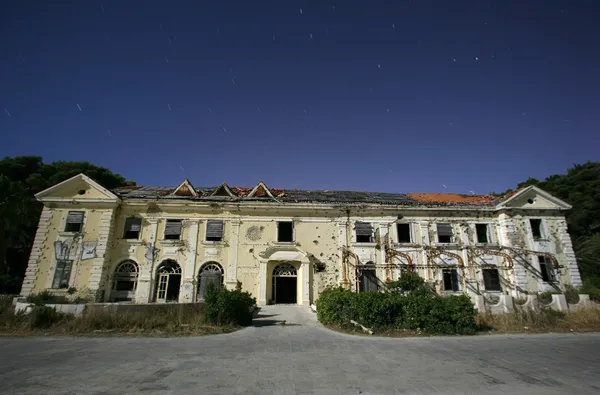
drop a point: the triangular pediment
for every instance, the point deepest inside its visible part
(533, 197)
(223, 190)
(185, 189)
(79, 187)
(261, 190)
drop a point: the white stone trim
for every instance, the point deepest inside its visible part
(100, 264)
(40, 240)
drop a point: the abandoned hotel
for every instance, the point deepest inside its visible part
(141, 244)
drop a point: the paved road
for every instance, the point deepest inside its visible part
(301, 359)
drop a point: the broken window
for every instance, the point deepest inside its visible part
(125, 281)
(450, 280)
(214, 230)
(491, 280)
(133, 227)
(546, 268)
(62, 274)
(173, 229)
(536, 228)
(403, 233)
(285, 231)
(364, 232)
(445, 234)
(482, 233)
(74, 221)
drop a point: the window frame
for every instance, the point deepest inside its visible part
(454, 280)
(540, 229)
(548, 274)
(452, 235)
(212, 238)
(487, 233)
(410, 233)
(167, 221)
(356, 235)
(125, 231)
(64, 262)
(67, 223)
(293, 232)
(488, 270)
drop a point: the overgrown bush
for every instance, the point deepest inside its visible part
(410, 282)
(225, 307)
(590, 289)
(545, 297)
(45, 317)
(571, 294)
(427, 312)
(46, 297)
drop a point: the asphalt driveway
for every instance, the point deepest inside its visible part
(301, 357)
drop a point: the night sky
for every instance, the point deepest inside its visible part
(391, 96)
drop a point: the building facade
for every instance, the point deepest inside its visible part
(158, 244)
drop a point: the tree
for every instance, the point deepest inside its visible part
(20, 178)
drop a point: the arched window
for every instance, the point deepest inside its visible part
(125, 281)
(285, 283)
(168, 281)
(211, 273)
(285, 270)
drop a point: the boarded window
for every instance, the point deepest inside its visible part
(403, 233)
(214, 230)
(536, 228)
(62, 274)
(482, 233)
(74, 221)
(445, 234)
(285, 231)
(450, 280)
(173, 229)
(491, 280)
(364, 232)
(546, 269)
(133, 227)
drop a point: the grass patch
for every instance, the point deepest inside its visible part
(544, 320)
(170, 320)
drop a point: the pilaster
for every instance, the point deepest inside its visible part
(189, 271)
(424, 227)
(571, 260)
(262, 279)
(99, 263)
(144, 286)
(41, 237)
(305, 268)
(234, 237)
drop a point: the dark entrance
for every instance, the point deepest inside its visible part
(368, 278)
(211, 275)
(285, 284)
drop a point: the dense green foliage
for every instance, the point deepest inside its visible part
(21, 178)
(225, 307)
(410, 282)
(428, 312)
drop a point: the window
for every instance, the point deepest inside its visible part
(214, 230)
(173, 229)
(364, 232)
(546, 269)
(445, 234)
(482, 233)
(285, 231)
(62, 274)
(403, 233)
(74, 221)
(536, 228)
(450, 280)
(491, 280)
(133, 227)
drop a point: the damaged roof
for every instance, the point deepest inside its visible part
(315, 196)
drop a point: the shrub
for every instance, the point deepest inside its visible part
(590, 289)
(45, 317)
(571, 294)
(409, 282)
(45, 297)
(545, 297)
(225, 307)
(427, 312)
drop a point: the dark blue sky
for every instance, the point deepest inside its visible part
(398, 96)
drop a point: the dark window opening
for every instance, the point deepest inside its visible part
(536, 228)
(62, 274)
(546, 269)
(214, 230)
(444, 233)
(364, 232)
(450, 280)
(491, 280)
(74, 221)
(482, 233)
(403, 233)
(133, 227)
(285, 231)
(173, 229)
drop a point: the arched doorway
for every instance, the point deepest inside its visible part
(285, 283)
(367, 278)
(124, 281)
(168, 281)
(211, 273)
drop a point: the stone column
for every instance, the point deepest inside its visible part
(188, 285)
(571, 260)
(101, 264)
(507, 227)
(262, 280)
(425, 241)
(305, 268)
(383, 232)
(144, 285)
(231, 271)
(41, 237)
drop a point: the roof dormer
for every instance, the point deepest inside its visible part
(185, 189)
